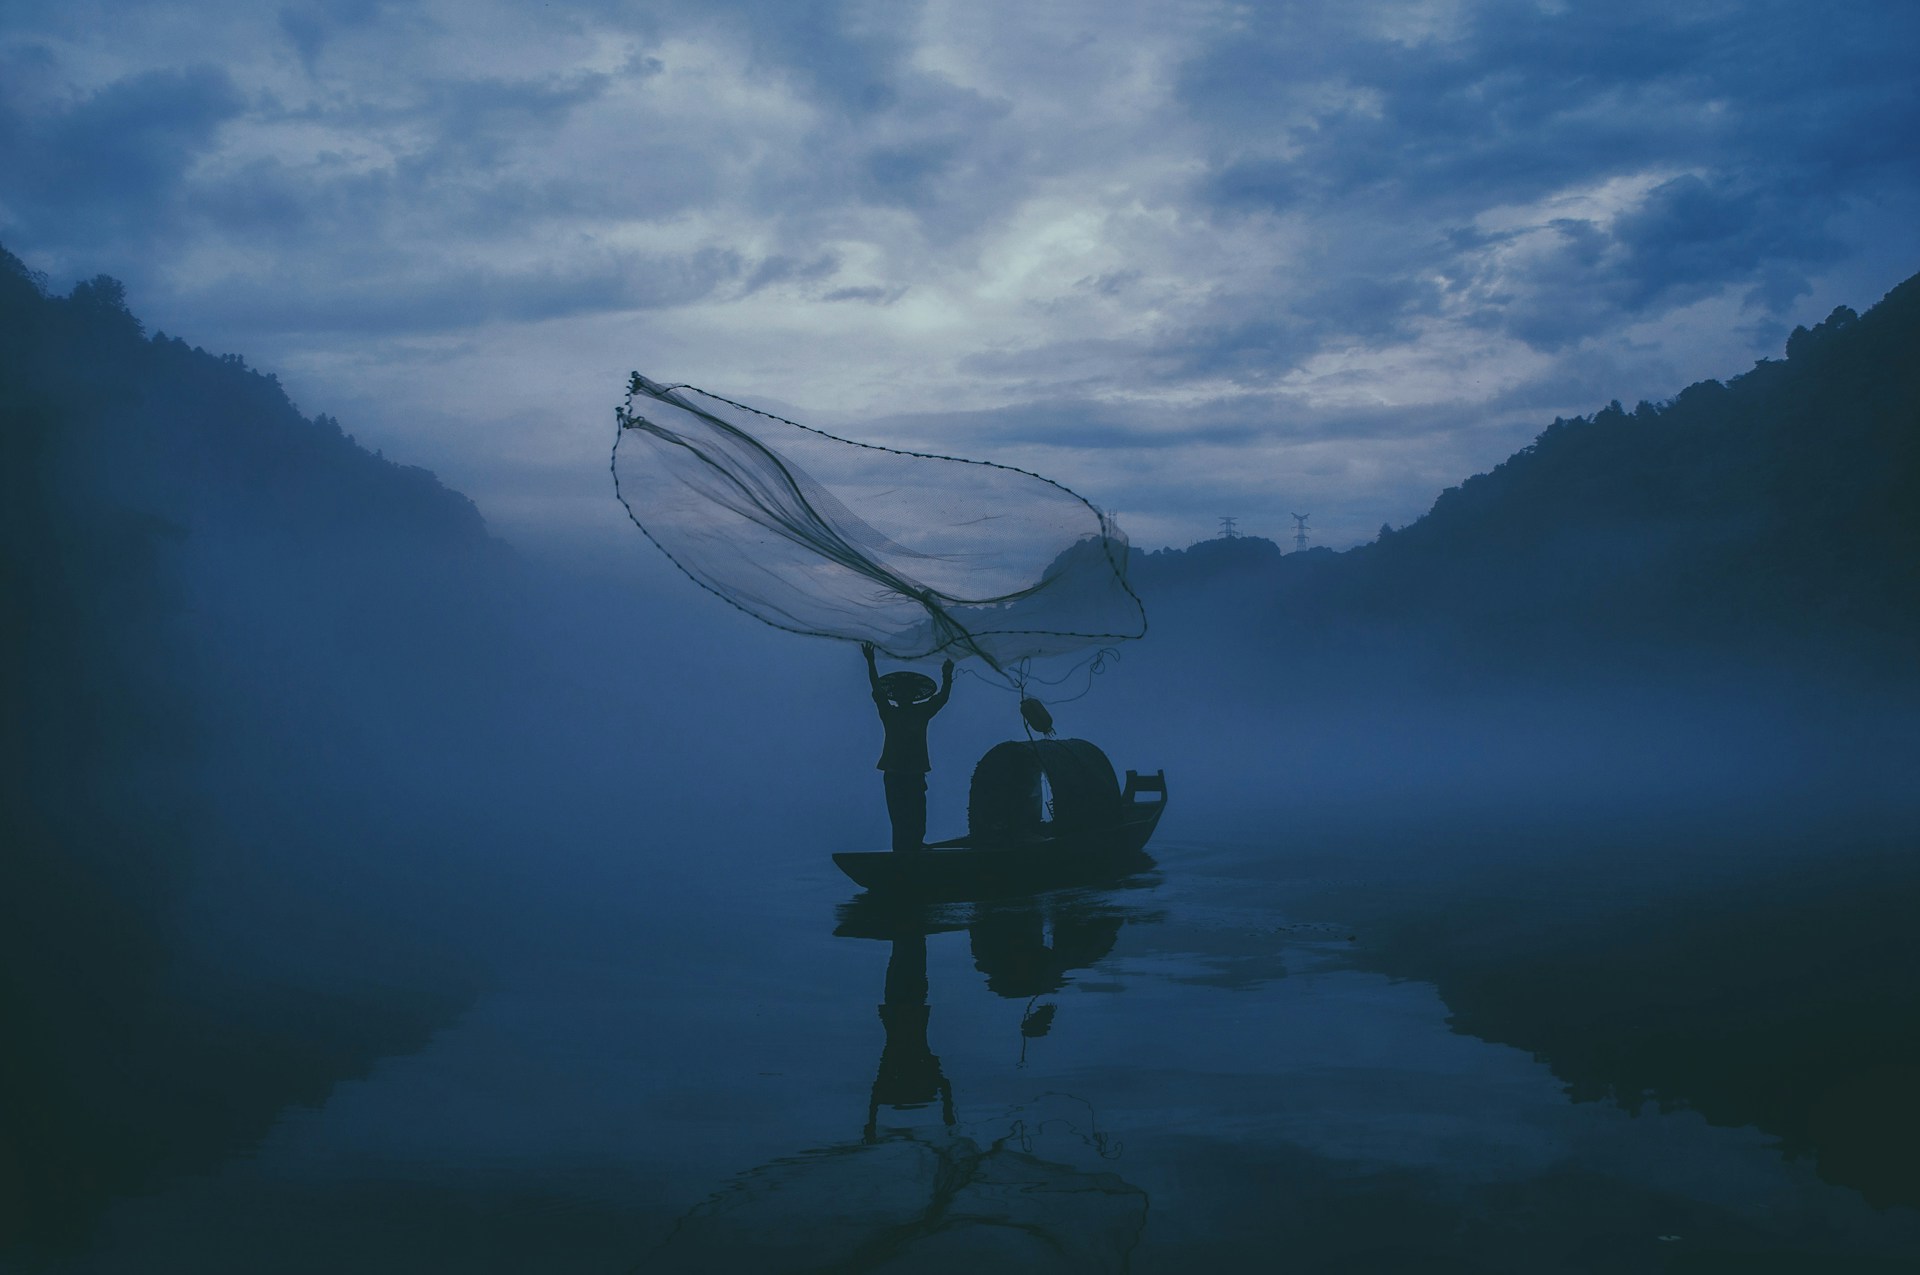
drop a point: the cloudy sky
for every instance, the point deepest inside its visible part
(1192, 258)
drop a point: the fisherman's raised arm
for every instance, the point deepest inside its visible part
(939, 700)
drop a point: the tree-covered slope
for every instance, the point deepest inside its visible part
(184, 558)
(1779, 508)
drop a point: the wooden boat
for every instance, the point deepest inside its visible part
(991, 861)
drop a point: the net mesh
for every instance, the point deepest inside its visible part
(918, 554)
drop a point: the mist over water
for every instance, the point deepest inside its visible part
(566, 885)
(416, 902)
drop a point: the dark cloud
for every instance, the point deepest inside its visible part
(906, 175)
(1083, 363)
(113, 163)
(938, 153)
(1370, 307)
(477, 121)
(842, 53)
(784, 269)
(1778, 114)
(1112, 283)
(1250, 335)
(321, 203)
(1516, 104)
(404, 244)
(1255, 183)
(425, 296)
(1690, 238)
(1692, 235)
(1776, 287)
(309, 26)
(1266, 344)
(130, 163)
(1075, 424)
(869, 293)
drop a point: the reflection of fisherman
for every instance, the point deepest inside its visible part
(907, 702)
(909, 1074)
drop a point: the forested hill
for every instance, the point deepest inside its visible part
(1779, 511)
(216, 617)
(181, 551)
(188, 438)
(1787, 500)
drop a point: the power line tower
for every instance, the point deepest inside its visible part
(1226, 528)
(1300, 530)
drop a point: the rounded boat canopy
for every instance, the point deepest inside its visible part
(1003, 803)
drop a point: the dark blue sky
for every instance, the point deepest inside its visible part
(1193, 259)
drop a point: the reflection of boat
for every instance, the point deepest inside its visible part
(1098, 830)
(1027, 947)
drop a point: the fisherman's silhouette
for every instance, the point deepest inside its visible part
(907, 702)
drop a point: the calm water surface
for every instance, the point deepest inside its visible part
(732, 1070)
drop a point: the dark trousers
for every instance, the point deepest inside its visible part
(907, 807)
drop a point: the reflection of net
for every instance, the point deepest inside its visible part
(1038, 1197)
(918, 554)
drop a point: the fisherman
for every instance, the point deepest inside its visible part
(907, 702)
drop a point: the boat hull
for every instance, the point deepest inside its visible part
(959, 870)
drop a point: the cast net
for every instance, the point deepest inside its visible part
(919, 554)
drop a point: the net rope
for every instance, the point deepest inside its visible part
(918, 553)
